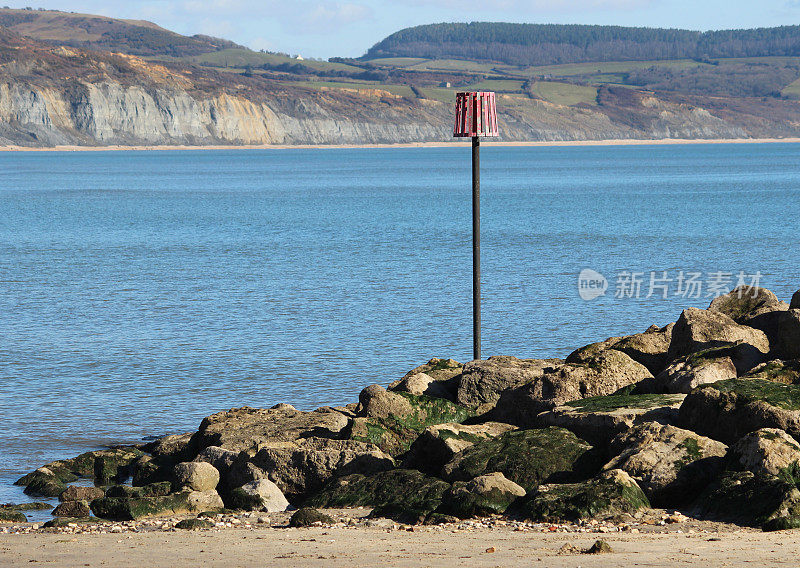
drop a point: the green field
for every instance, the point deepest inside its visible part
(400, 90)
(565, 93)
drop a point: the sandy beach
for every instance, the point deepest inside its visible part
(632, 142)
(398, 547)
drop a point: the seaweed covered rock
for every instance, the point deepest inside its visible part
(768, 451)
(704, 367)
(787, 372)
(606, 373)
(727, 410)
(72, 509)
(527, 457)
(671, 465)
(259, 495)
(44, 482)
(744, 498)
(483, 380)
(12, 516)
(484, 495)
(129, 504)
(393, 420)
(194, 524)
(598, 419)
(103, 465)
(609, 494)
(744, 303)
(405, 495)
(438, 444)
(437, 378)
(247, 429)
(308, 517)
(304, 466)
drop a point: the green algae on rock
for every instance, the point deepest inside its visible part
(527, 457)
(609, 494)
(401, 494)
(307, 517)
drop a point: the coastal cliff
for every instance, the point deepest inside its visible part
(53, 96)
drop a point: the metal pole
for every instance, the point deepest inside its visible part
(476, 247)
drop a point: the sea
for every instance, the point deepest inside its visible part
(141, 291)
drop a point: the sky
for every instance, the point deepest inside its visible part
(347, 28)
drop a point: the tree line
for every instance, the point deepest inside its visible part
(552, 44)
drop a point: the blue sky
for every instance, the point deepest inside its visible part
(326, 28)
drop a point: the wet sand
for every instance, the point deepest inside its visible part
(669, 141)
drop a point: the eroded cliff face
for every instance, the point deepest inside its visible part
(110, 113)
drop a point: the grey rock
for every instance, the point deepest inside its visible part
(671, 465)
(698, 330)
(768, 451)
(694, 370)
(304, 466)
(77, 493)
(483, 381)
(744, 303)
(196, 476)
(261, 495)
(608, 372)
(246, 429)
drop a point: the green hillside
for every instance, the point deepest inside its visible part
(551, 44)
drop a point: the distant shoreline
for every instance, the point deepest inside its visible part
(620, 142)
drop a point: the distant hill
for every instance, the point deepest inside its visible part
(551, 44)
(135, 37)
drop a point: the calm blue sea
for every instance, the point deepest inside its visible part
(142, 291)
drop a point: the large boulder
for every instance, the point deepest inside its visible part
(488, 494)
(650, 348)
(247, 429)
(783, 330)
(608, 372)
(175, 447)
(610, 494)
(302, 467)
(744, 303)
(703, 367)
(72, 509)
(438, 378)
(787, 372)
(745, 498)
(438, 444)
(527, 457)
(12, 516)
(768, 451)
(393, 420)
(78, 493)
(698, 330)
(598, 419)
(221, 459)
(43, 482)
(195, 476)
(727, 410)
(259, 495)
(671, 465)
(483, 380)
(402, 494)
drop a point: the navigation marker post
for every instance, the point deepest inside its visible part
(476, 116)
